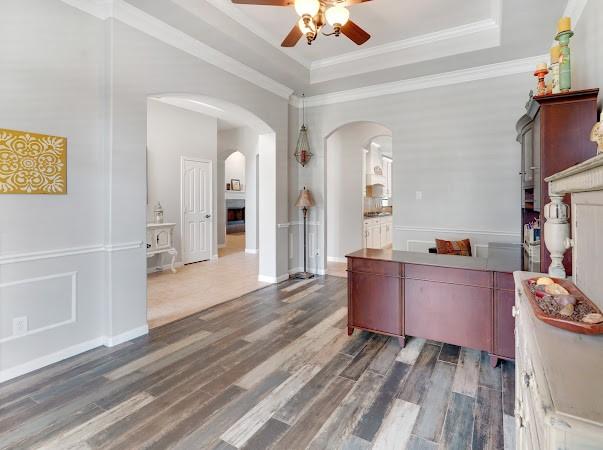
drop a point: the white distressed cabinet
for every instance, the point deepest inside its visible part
(160, 238)
(378, 232)
(559, 383)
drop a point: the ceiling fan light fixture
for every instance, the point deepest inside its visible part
(337, 16)
(307, 7)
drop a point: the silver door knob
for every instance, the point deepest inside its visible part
(207, 216)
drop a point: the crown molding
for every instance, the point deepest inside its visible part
(252, 25)
(524, 65)
(448, 42)
(138, 19)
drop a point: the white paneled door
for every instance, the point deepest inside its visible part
(196, 195)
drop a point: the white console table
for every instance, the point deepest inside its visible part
(160, 238)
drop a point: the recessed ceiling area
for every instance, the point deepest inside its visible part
(385, 20)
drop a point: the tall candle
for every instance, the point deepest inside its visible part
(555, 53)
(541, 67)
(564, 24)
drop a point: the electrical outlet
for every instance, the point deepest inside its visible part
(19, 326)
(419, 195)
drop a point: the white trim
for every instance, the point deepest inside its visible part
(252, 251)
(457, 231)
(72, 317)
(13, 258)
(46, 360)
(336, 259)
(112, 341)
(440, 44)
(517, 66)
(141, 21)
(270, 279)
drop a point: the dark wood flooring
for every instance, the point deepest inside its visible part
(272, 369)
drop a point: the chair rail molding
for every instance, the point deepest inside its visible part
(456, 231)
(13, 258)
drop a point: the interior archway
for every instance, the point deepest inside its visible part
(347, 149)
(228, 116)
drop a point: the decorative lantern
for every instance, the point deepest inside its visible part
(302, 149)
(158, 212)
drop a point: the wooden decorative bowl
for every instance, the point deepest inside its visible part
(565, 323)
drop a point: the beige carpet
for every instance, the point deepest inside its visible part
(198, 286)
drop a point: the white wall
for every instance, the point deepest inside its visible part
(456, 144)
(587, 49)
(344, 186)
(246, 141)
(234, 168)
(171, 134)
(89, 79)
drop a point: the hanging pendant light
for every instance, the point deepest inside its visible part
(302, 149)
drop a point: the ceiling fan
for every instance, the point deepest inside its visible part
(314, 14)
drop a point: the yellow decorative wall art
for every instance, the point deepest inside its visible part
(32, 163)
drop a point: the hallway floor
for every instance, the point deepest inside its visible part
(199, 286)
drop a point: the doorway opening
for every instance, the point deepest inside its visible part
(202, 161)
(358, 191)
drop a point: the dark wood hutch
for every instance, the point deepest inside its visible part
(554, 135)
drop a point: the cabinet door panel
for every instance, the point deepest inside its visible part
(456, 314)
(504, 323)
(375, 302)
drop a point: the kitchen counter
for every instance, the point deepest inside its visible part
(501, 258)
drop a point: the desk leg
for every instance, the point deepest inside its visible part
(173, 252)
(402, 341)
(350, 330)
(493, 361)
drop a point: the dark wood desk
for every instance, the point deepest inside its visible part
(459, 300)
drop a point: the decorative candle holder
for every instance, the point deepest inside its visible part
(557, 233)
(158, 213)
(565, 68)
(540, 74)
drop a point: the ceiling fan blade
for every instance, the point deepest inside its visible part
(355, 33)
(294, 35)
(353, 2)
(265, 2)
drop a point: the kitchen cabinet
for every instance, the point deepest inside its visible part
(378, 232)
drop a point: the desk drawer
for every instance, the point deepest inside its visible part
(449, 275)
(375, 266)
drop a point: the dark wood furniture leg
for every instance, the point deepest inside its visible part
(402, 341)
(350, 330)
(493, 360)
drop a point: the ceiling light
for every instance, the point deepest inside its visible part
(307, 7)
(337, 16)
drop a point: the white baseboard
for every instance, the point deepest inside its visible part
(46, 360)
(112, 341)
(269, 279)
(214, 257)
(252, 251)
(336, 259)
(164, 267)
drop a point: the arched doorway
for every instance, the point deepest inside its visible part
(194, 134)
(357, 186)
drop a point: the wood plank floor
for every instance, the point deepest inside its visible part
(272, 369)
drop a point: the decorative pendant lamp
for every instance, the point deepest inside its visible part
(302, 149)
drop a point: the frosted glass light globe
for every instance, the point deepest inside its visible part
(307, 7)
(337, 15)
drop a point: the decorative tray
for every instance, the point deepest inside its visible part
(550, 304)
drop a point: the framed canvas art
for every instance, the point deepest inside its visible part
(235, 184)
(32, 163)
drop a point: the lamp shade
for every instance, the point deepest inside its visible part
(337, 15)
(305, 199)
(307, 7)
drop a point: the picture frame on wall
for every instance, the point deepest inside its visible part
(235, 184)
